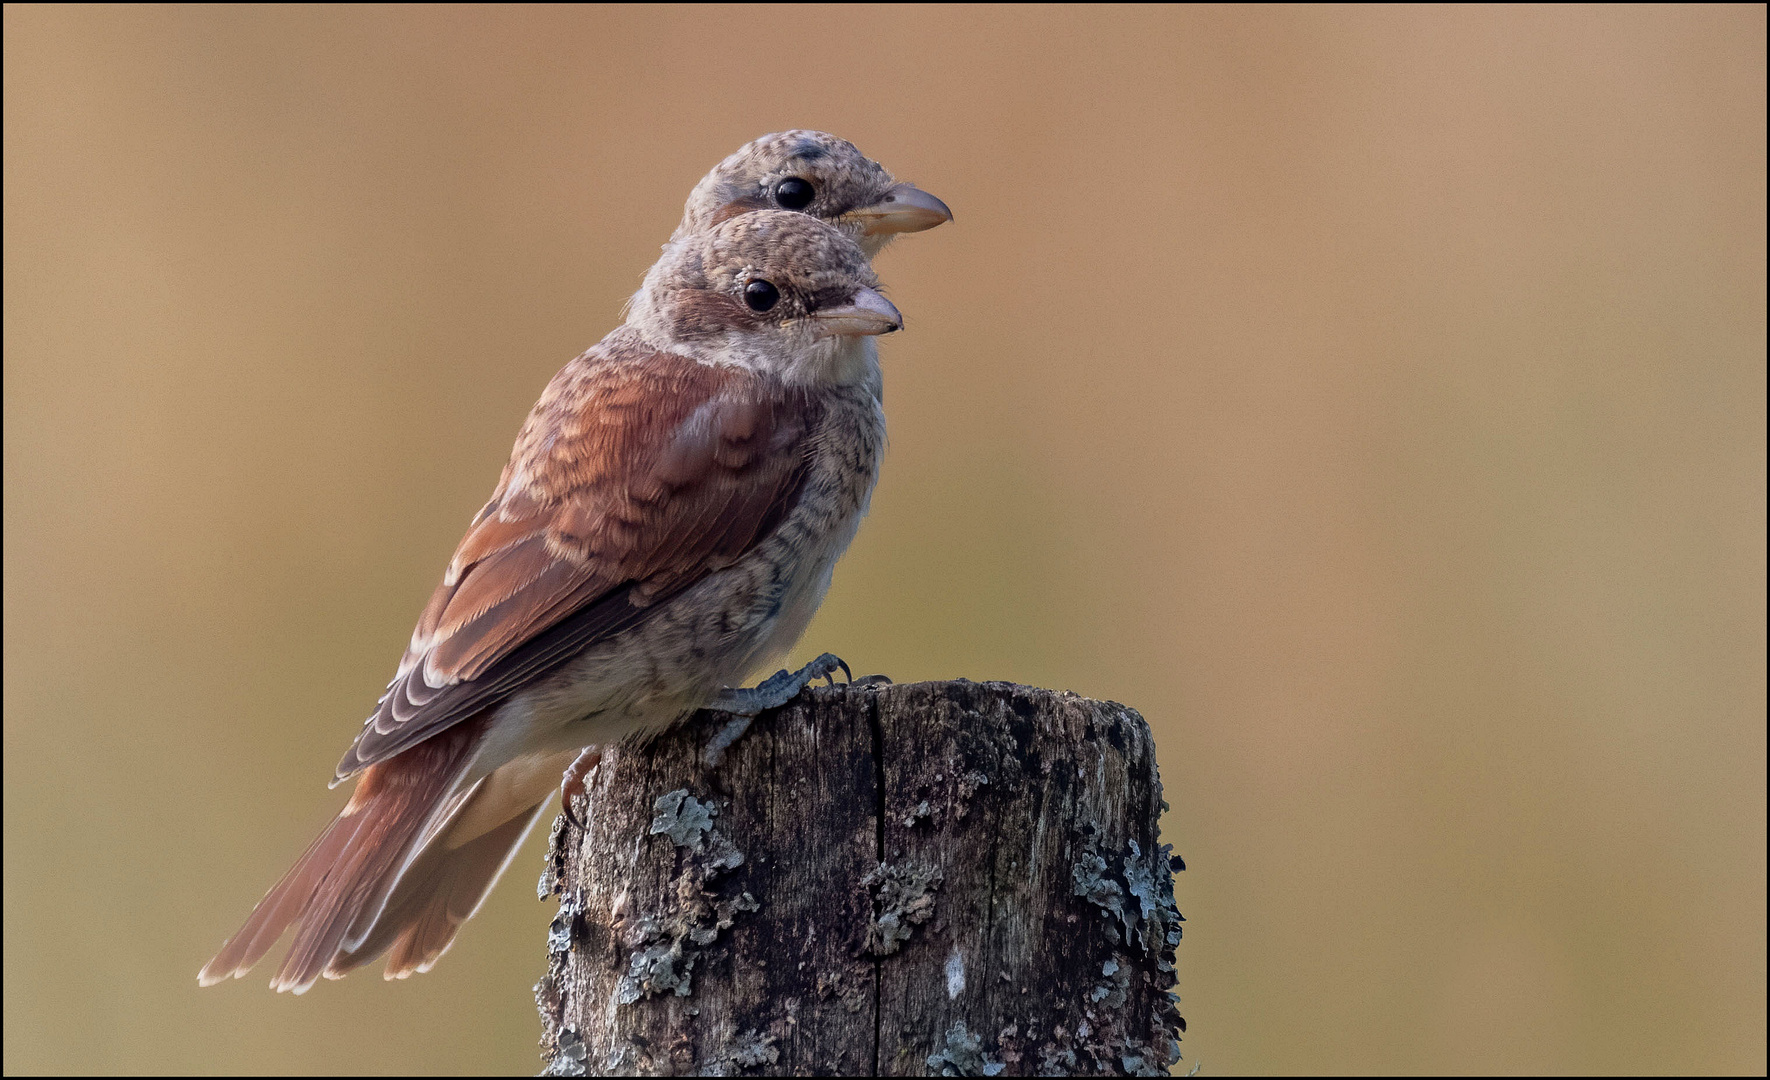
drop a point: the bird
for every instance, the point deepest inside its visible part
(668, 522)
(816, 173)
(806, 172)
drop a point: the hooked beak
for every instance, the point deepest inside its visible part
(905, 208)
(867, 314)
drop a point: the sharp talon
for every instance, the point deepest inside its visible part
(573, 783)
(565, 807)
(846, 674)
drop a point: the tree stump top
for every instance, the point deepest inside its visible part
(947, 878)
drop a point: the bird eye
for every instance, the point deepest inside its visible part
(761, 296)
(794, 193)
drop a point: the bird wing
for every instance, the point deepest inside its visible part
(637, 474)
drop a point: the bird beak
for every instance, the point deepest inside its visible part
(867, 314)
(905, 208)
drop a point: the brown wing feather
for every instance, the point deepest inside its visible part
(637, 474)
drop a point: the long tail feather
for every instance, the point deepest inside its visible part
(282, 905)
(352, 865)
(439, 892)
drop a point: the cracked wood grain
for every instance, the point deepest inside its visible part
(959, 879)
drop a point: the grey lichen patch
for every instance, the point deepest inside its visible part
(666, 945)
(661, 968)
(553, 870)
(688, 822)
(617, 1060)
(1055, 1060)
(725, 912)
(559, 931)
(568, 1054)
(1116, 989)
(1093, 884)
(903, 899)
(1135, 892)
(1138, 1061)
(968, 785)
(1143, 905)
(750, 1050)
(1169, 911)
(1140, 878)
(664, 962)
(922, 811)
(1170, 1044)
(963, 1055)
(721, 855)
(971, 781)
(1151, 883)
(683, 818)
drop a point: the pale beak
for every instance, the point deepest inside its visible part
(867, 314)
(905, 208)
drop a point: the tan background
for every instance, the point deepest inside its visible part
(1375, 398)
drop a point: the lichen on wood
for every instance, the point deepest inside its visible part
(950, 879)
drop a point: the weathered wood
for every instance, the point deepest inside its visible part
(944, 878)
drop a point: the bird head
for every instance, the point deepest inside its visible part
(778, 292)
(813, 173)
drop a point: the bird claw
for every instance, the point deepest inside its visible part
(779, 688)
(574, 783)
(565, 807)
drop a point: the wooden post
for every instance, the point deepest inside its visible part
(949, 879)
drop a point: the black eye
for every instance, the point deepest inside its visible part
(794, 193)
(761, 296)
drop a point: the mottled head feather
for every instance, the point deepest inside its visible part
(801, 256)
(841, 177)
(693, 303)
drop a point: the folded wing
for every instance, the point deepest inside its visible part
(637, 474)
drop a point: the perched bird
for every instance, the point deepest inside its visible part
(668, 522)
(818, 174)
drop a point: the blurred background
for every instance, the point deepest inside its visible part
(1374, 398)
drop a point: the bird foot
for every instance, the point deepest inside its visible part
(779, 688)
(773, 692)
(574, 782)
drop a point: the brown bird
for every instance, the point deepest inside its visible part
(667, 523)
(818, 174)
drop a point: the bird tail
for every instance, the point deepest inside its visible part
(443, 888)
(348, 872)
